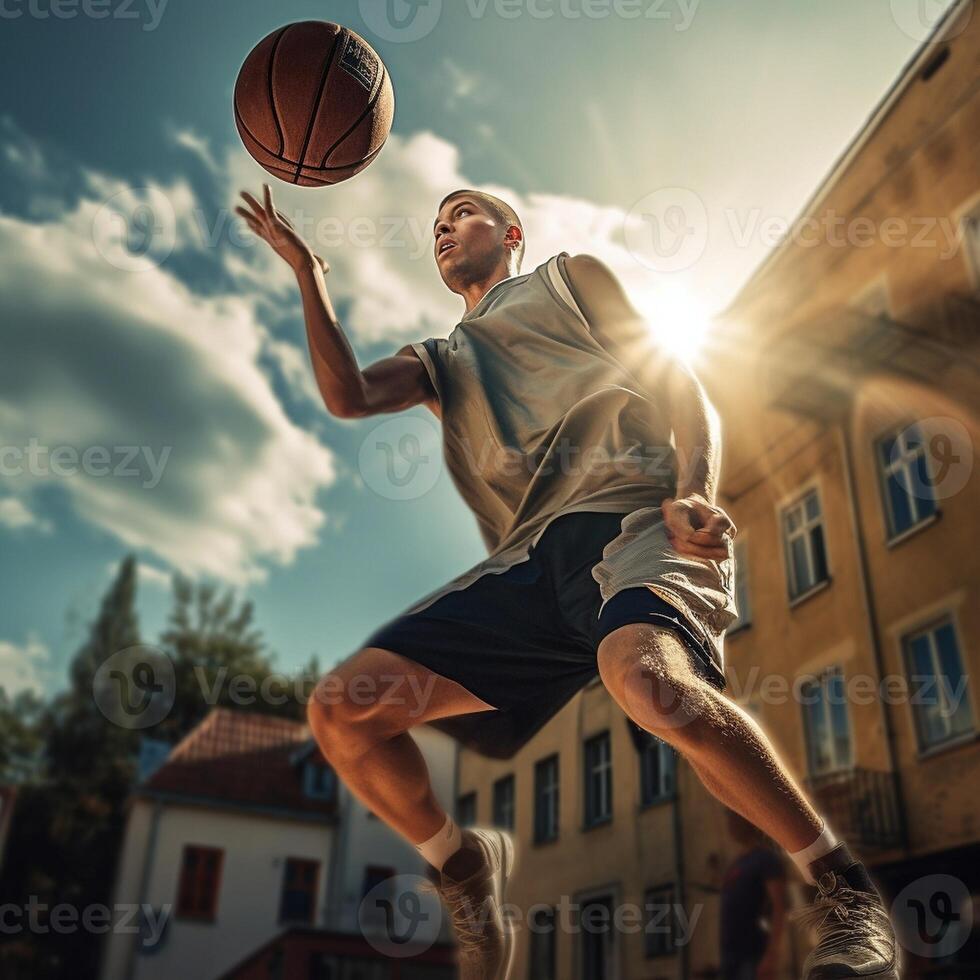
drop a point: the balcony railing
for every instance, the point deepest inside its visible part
(861, 806)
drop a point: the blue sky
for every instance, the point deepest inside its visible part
(578, 111)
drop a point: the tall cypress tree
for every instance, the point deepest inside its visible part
(68, 824)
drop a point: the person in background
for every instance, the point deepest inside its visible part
(753, 906)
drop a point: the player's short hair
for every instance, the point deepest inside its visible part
(501, 210)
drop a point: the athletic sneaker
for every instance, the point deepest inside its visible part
(485, 939)
(854, 935)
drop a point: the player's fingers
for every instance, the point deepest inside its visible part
(258, 212)
(718, 523)
(700, 551)
(284, 219)
(250, 220)
(269, 206)
(703, 536)
(706, 545)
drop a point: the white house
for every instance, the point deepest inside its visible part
(244, 840)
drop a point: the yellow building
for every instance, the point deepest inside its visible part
(850, 399)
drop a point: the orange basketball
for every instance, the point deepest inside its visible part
(314, 103)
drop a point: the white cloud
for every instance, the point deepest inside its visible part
(461, 85)
(15, 514)
(198, 146)
(375, 230)
(100, 355)
(97, 356)
(23, 667)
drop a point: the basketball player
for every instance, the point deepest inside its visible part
(607, 553)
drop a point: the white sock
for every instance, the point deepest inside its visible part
(437, 850)
(824, 844)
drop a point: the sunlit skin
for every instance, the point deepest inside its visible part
(644, 668)
(473, 251)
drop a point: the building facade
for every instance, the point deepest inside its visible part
(243, 852)
(846, 375)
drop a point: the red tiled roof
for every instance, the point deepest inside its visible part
(243, 758)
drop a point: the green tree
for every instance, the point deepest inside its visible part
(67, 825)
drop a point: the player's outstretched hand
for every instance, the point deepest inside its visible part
(697, 528)
(277, 230)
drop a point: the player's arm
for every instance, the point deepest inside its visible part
(389, 385)
(695, 524)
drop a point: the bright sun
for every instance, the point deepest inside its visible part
(678, 319)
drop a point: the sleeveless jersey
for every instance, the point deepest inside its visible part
(539, 420)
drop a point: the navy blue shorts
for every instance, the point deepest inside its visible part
(525, 640)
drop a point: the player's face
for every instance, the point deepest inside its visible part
(469, 241)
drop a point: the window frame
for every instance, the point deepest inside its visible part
(592, 815)
(195, 912)
(929, 628)
(313, 892)
(511, 782)
(554, 791)
(319, 781)
(667, 770)
(551, 937)
(882, 469)
(657, 945)
(740, 554)
(836, 765)
(969, 214)
(607, 895)
(784, 509)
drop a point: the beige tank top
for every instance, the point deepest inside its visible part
(539, 420)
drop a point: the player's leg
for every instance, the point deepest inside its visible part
(360, 715)
(651, 674)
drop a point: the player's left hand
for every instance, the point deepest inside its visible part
(697, 528)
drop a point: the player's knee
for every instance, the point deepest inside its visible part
(342, 720)
(648, 672)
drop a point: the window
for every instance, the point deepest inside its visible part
(906, 482)
(541, 954)
(741, 586)
(299, 883)
(660, 929)
(379, 884)
(466, 810)
(597, 938)
(806, 556)
(656, 770)
(503, 803)
(546, 800)
(200, 882)
(825, 722)
(319, 781)
(971, 239)
(598, 780)
(939, 695)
